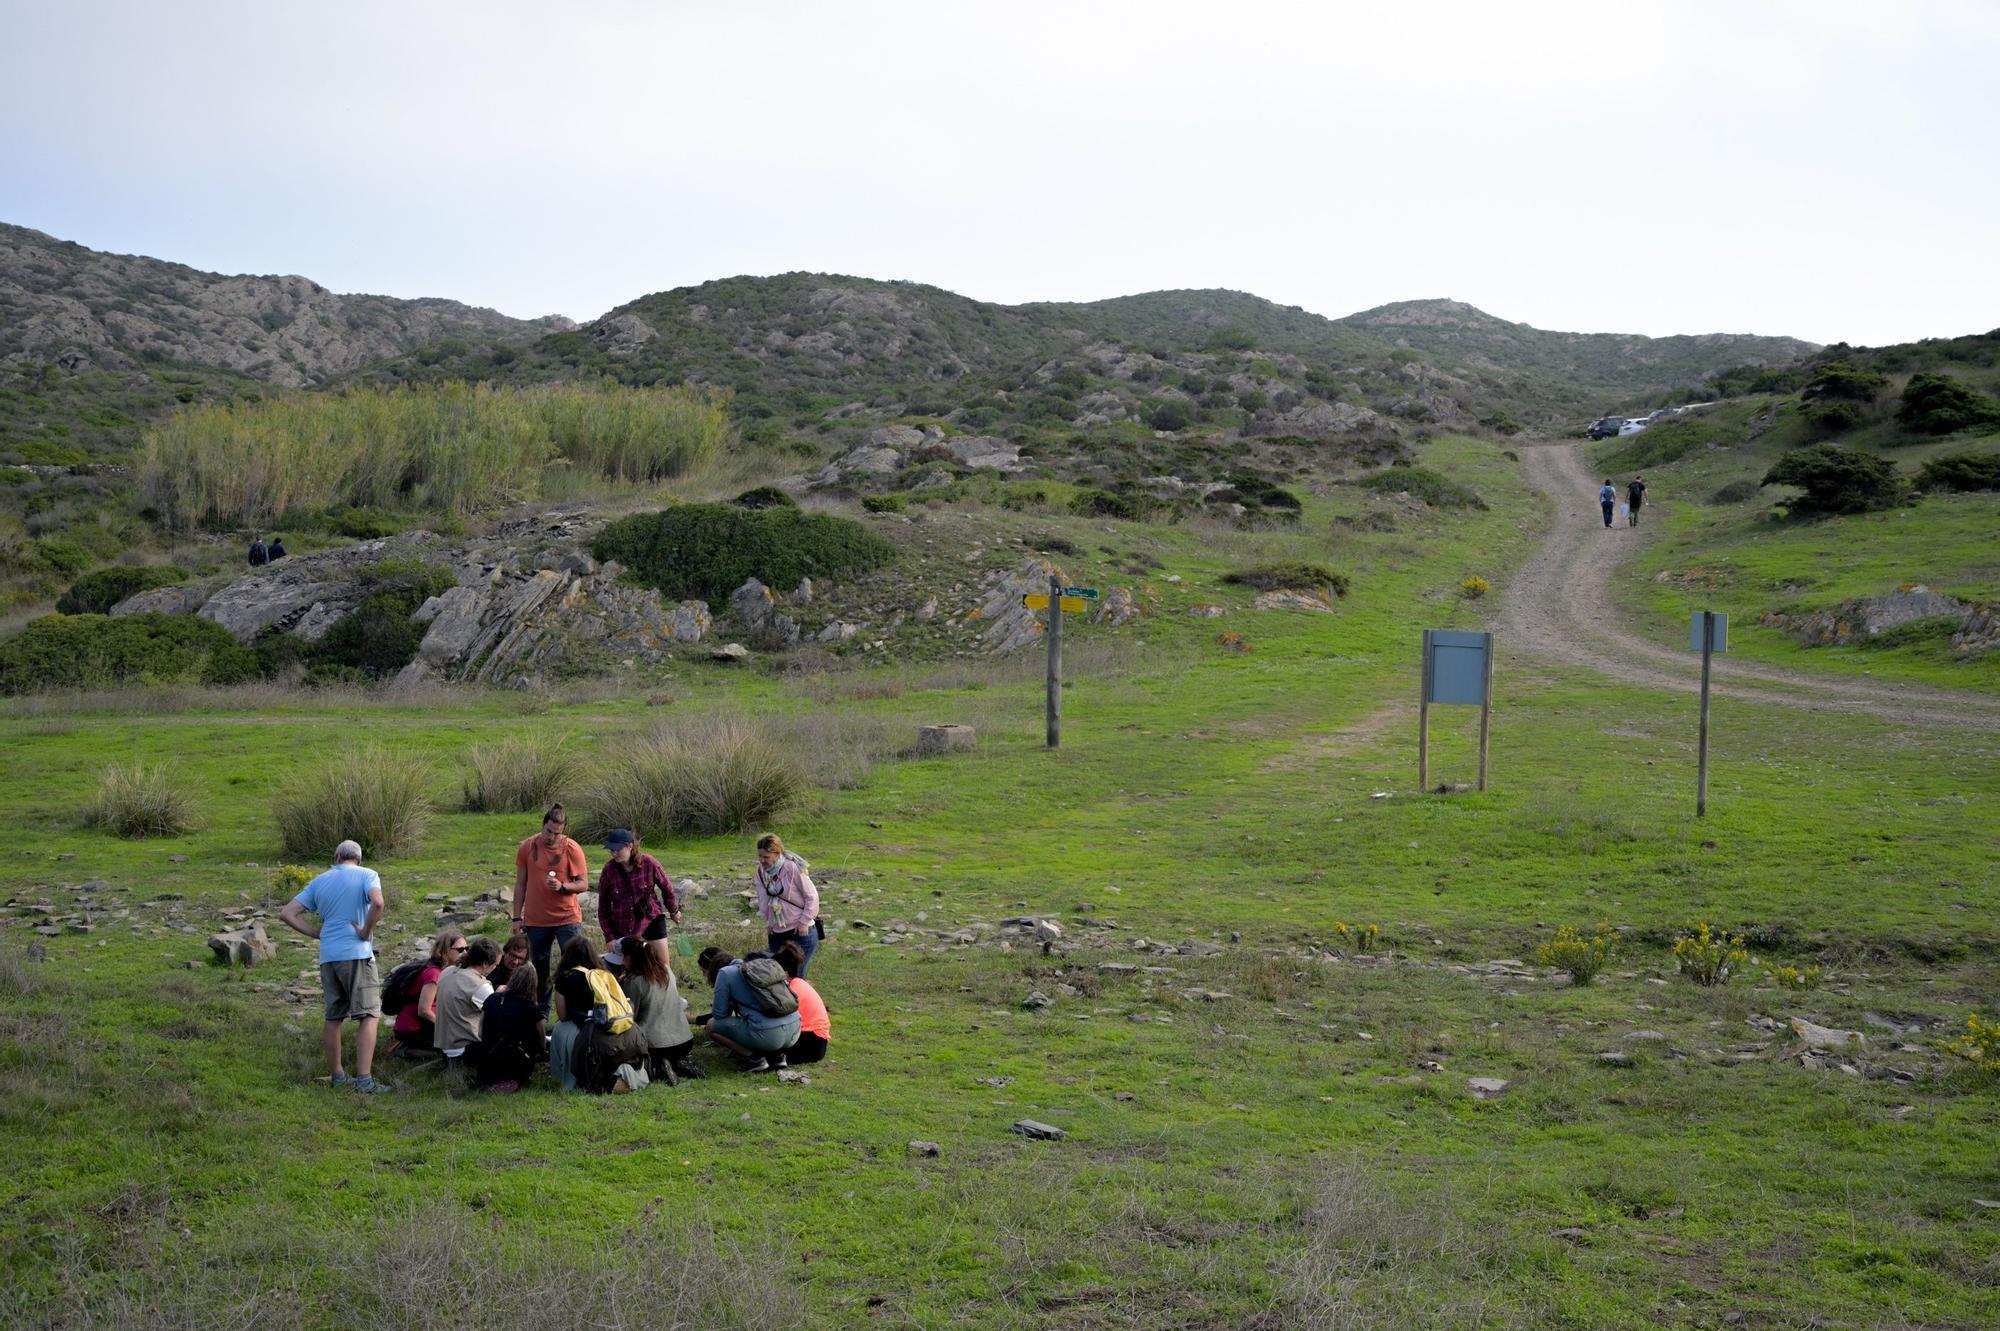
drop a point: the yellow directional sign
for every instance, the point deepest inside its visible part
(1040, 601)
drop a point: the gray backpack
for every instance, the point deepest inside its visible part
(769, 987)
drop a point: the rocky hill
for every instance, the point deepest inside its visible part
(80, 309)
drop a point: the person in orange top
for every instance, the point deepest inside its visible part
(549, 881)
(815, 1026)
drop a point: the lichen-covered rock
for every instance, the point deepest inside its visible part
(750, 605)
(1005, 624)
(1118, 607)
(182, 598)
(247, 946)
(1291, 598)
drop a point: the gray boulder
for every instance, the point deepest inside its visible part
(182, 598)
(751, 605)
(247, 946)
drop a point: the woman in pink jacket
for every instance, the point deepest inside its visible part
(787, 899)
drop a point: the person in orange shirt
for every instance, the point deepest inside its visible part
(549, 881)
(815, 1027)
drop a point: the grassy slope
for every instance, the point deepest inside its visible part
(1735, 557)
(1210, 794)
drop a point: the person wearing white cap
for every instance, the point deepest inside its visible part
(348, 900)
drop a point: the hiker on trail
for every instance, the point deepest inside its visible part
(416, 1017)
(787, 899)
(461, 1001)
(259, 555)
(348, 900)
(815, 1026)
(512, 1039)
(634, 894)
(275, 550)
(755, 1014)
(513, 956)
(549, 879)
(1607, 499)
(657, 1004)
(1635, 495)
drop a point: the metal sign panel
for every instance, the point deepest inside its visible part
(1040, 601)
(1082, 593)
(1721, 643)
(1458, 666)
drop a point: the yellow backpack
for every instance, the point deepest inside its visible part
(610, 1009)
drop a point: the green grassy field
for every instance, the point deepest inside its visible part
(1265, 1128)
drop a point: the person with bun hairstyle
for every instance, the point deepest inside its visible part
(815, 1026)
(658, 1007)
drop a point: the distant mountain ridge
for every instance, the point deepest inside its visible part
(62, 302)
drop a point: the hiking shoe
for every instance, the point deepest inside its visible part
(688, 1070)
(666, 1075)
(369, 1086)
(778, 1060)
(757, 1065)
(340, 1079)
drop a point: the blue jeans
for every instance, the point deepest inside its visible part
(541, 937)
(1607, 512)
(808, 943)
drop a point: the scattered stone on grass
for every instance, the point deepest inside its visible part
(925, 1150)
(1487, 1088)
(1616, 1058)
(1037, 1000)
(794, 1077)
(1824, 1037)
(1041, 1132)
(246, 947)
(996, 1082)
(1645, 1035)
(949, 737)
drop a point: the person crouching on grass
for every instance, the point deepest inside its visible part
(815, 1026)
(787, 899)
(657, 1005)
(755, 1014)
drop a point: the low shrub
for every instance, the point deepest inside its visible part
(377, 638)
(94, 651)
(363, 524)
(1736, 492)
(1290, 576)
(1798, 979)
(95, 593)
(520, 774)
(1421, 483)
(288, 880)
(764, 496)
(58, 554)
(1108, 504)
(709, 550)
(1940, 404)
(1474, 587)
(1051, 544)
(891, 503)
(1708, 956)
(1166, 413)
(1833, 417)
(1360, 937)
(372, 795)
(1836, 480)
(1582, 955)
(1930, 628)
(722, 776)
(1979, 1047)
(1961, 471)
(134, 800)
(1838, 380)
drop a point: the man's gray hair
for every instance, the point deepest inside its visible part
(347, 850)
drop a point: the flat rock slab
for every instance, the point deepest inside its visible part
(926, 1150)
(948, 738)
(1041, 1132)
(1487, 1088)
(1824, 1037)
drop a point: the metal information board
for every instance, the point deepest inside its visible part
(1457, 669)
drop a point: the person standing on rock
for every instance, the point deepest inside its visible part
(348, 900)
(549, 879)
(635, 898)
(787, 899)
(1607, 499)
(1635, 495)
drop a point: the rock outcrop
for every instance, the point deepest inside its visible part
(1976, 629)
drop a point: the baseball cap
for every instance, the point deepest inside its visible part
(618, 838)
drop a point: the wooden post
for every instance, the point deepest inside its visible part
(1424, 719)
(1485, 711)
(1055, 661)
(1701, 765)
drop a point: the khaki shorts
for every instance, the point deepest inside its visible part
(352, 989)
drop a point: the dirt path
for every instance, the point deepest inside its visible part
(1560, 607)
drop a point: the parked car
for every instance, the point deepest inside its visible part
(1606, 426)
(1633, 427)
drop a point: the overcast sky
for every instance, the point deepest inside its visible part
(1827, 170)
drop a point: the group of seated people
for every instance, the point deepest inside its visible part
(620, 1021)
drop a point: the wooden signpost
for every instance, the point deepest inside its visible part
(1708, 633)
(1458, 668)
(1058, 600)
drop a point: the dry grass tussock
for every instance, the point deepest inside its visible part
(441, 1264)
(725, 773)
(520, 774)
(134, 800)
(377, 797)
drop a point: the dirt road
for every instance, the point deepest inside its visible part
(1560, 607)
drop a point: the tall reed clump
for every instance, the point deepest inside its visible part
(722, 774)
(449, 448)
(134, 800)
(519, 774)
(371, 795)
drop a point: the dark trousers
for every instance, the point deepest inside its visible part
(1607, 512)
(808, 943)
(541, 939)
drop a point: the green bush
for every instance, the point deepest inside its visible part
(94, 651)
(377, 638)
(1165, 413)
(59, 554)
(140, 801)
(709, 550)
(363, 524)
(892, 503)
(1836, 480)
(1843, 381)
(378, 798)
(1961, 471)
(1106, 504)
(1421, 483)
(1290, 576)
(1931, 628)
(1736, 492)
(1940, 404)
(1833, 416)
(95, 593)
(1230, 339)
(764, 496)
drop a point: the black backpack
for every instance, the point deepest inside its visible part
(400, 989)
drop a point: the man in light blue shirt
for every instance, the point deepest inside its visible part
(348, 900)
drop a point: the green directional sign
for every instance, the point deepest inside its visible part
(1081, 593)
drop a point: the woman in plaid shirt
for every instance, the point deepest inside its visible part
(635, 897)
